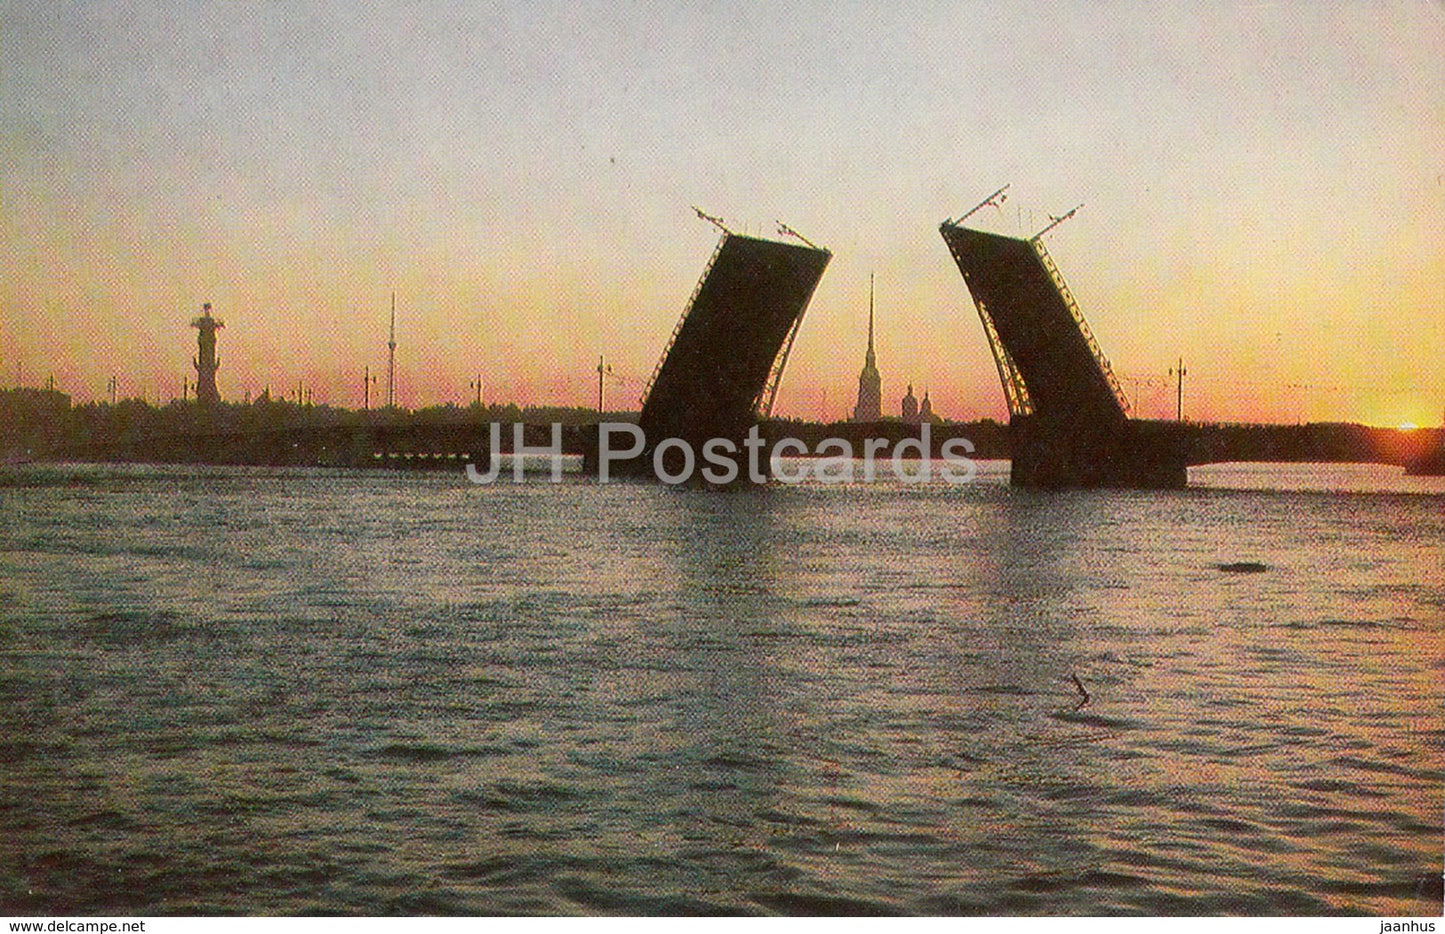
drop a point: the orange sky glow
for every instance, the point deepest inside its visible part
(1263, 191)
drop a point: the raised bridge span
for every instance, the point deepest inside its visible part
(719, 372)
(1068, 417)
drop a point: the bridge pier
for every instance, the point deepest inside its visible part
(1061, 453)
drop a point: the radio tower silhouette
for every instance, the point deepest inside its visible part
(391, 358)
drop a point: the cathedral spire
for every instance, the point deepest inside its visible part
(872, 361)
(870, 385)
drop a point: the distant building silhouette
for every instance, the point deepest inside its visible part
(206, 362)
(910, 406)
(870, 384)
(925, 411)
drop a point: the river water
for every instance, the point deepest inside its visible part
(296, 691)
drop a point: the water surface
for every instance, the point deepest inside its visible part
(290, 691)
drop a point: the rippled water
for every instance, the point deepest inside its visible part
(311, 691)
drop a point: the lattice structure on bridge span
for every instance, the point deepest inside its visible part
(1047, 358)
(721, 368)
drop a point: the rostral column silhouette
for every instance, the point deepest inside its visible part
(206, 361)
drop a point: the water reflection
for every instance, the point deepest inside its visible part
(1031, 572)
(735, 745)
(394, 695)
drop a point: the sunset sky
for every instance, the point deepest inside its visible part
(1263, 187)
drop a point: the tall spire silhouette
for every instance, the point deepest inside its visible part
(391, 358)
(870, 384)
(870, 360)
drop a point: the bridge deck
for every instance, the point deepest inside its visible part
(1032, 317)
(713, 376)
(1075, 430)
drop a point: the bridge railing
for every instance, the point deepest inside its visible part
(672, 339)
(762, 408)
(1083, 325)
(1015, 390)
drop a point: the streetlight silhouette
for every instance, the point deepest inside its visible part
(601, 372)
(367, 381)
(1179, 372)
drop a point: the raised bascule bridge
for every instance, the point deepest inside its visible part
(719, 372)
(1068, 417)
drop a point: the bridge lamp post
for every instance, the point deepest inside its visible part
(367, 381)
(602, 370)
(1179, 372)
